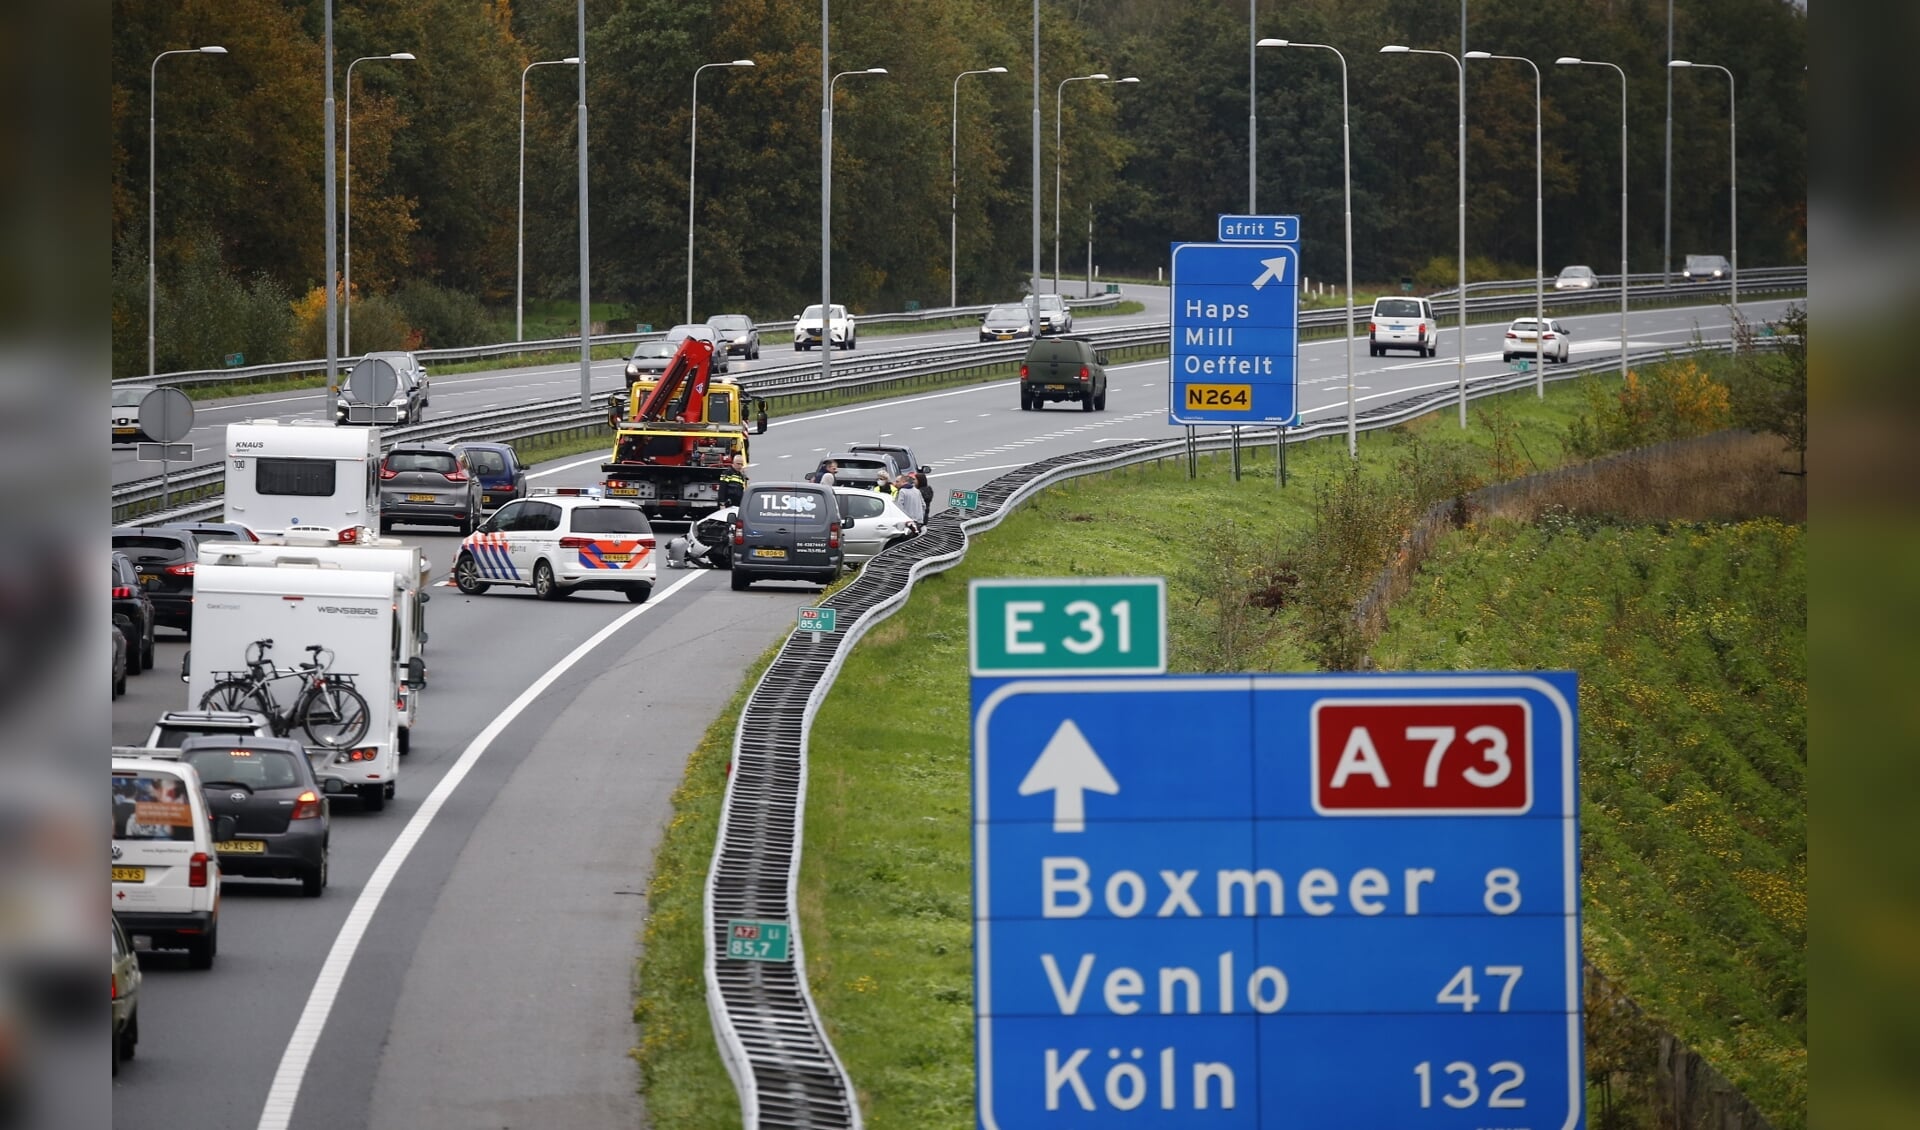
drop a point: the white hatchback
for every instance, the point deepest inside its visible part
(870, 522)
(558, 541)
(1525, 340)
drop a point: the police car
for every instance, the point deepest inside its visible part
(558, 540)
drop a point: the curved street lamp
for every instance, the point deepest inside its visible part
(1733, 188)
(1098, 76)
(826, 222)
(1575, 61)
(1396, 49)
(693, 149)
(1539, 232)
(346, 311)
(153, 90)
(520, 239)
(953, 190)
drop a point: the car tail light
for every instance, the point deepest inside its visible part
(251, 536)
(738, 531)
(576, 543)
(1373, 327)
(1511, 334)
(1023, 372)
(1548, 337)
(833, 535)
(364, 753)
(1083, 372)
(197, 870)
(387, 472)
(122, 592)
(115, 978)
(646, 543)
(456, 476)
(306, 806)
(184, 569)
(348, 536)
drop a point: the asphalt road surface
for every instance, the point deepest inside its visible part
(488, 985)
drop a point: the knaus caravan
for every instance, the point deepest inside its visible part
(354, 613)
(359, 549)
(302, 473)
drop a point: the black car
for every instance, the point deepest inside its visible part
(497, 466)
(737, 334)
(280, 813)
(410, 387)
(135, 607)
(164, 560)
(787, 531)
(215, 531)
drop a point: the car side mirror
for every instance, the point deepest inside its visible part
(489, 526)
(926, 470)
(223, 828)
(416, 672)
(1100, 357)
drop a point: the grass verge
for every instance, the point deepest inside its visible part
(685, 1083)
(1690, 640)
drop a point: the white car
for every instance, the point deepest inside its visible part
(166, 871)
(1524, 340)
(870, 522)
(126, 413)
(1576, 278)
(1055, 318)
(806, 328)
(1403, 323)
(558, 541)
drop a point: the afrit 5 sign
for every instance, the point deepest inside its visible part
(1277, 901)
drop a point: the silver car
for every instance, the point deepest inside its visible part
(409, 399)
(649, 360)
(1055, 318)
(869, 523)
(1576, 278)
(428, 483)
(1006, 322)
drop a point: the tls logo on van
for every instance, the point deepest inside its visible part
(788, 503)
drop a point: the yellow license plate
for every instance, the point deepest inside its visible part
(243, 847)
(129, 874)
(624, 490)
(149, 578)
(1231, 398)
(1056, 388)
(419, 498)
(769, 553)
(616, 558)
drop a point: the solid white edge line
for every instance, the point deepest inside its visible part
(284, 1092)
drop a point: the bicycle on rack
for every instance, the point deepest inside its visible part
(327, 708)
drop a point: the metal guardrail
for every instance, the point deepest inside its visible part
(764, 1019)
(457, 354)
(1757, 276)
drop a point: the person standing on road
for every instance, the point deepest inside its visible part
(926, 490)
(826, 478)
(909, 500)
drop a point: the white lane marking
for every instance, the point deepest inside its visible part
(566, 467)
(285, 1091)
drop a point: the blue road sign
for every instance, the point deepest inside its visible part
(1235, 333)
(1277, 901)
(1259, 229)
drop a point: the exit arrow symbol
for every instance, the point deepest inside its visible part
(1069, 769)
(1276, 270)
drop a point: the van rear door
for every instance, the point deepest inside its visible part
(788, 526)
(158, 817)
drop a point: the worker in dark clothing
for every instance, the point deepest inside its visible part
(733, 484)
(925, 488)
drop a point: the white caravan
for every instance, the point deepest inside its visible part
(354, 613)
(302, 473)
(356, 549)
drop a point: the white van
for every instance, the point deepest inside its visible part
(360, 549)
(1403, 323)
(354, 613)
(166, 873)
(302, 473)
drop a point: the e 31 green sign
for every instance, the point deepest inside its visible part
(1068, 626)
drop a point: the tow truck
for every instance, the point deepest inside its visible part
(683, 440)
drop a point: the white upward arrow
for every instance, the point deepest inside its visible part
(1276, 270)
(1069, 768)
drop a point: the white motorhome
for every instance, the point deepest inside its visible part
(302, 473)
(358, 549)
(354, 613)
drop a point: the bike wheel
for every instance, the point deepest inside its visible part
(333, 715)
(238, 695)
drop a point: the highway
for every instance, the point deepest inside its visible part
(490, 986)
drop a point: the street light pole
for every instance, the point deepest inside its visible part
(826, 213)
(953, 190)
(153, 91)
(1462, 294)
(1539, 232)
(1253, 106)
(1056, 170)
(580, 133)
(693, 150)
(1733, 185)
(1572, 61)
(347, 284)
(1346, 172)
(520, 238)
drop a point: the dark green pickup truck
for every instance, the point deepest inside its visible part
(1063, 368)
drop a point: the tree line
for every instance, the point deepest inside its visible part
(239, 182)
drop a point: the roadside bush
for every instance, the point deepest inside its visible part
(1242, 581)
(203, 312)
(444, 317)
(378, 323)
(1770, 389)
(1443, 272)
(1356, 526)
(1675, 400)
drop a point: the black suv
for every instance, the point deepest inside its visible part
(1063, 368)
(164, 561)
(786, 531)
(133, 607)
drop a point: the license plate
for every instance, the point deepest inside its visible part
(129, 874)
(769, 553)
(419, 498)
(616, 558)
(243, 847)
(149, 578)
(624, 491)
(1397, 329)
(1056, 388)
